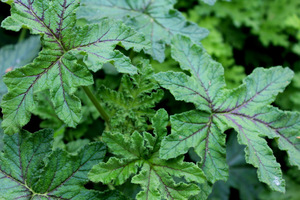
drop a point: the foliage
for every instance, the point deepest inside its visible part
(58, 68)
(159, 121)
(157, 20)
(261, 16)
(244, 109)
(30, 170)
(156, 176)
(131, 106)
(15, 56)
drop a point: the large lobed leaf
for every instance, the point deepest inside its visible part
(138, 156)
(246, 109)
(29, 169)
(156, 19)
(57, 67)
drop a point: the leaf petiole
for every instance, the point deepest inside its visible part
(96, 103)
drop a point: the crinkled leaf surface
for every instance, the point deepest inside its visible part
(14, 56)
(57, 67)
(29, 169)
(246, 109)
(132, 105)
(156, 19)
(156, 176)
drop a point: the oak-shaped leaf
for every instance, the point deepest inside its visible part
(246, 109)
(59, 66)
(156, 19)
(29, 169)
(137, 157)
(132, 105)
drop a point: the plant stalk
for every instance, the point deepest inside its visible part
(22, 35)
(96, 103)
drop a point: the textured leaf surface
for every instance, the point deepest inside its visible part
(57, 67)
(14, 56)
(242, 176)
(115, 171)
(195, 129)
(132, 105)
(137, 155)
(156, 185)
(156, 19)
(246, 109)
(29, 169)
(206, 80)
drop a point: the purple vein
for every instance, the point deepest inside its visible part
(264, 123)
(206, 145)
(249, 143)
(202, 84)
(62, 183)
(245, 102)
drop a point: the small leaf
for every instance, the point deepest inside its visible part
(160, 122)
(132, 105)
(157, 20)
(29, 169)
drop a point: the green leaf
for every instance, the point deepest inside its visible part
(160, 122)
(195, 129)
(58, 68)
(156, 19)
(115, 171)
(210, 2)
(206, 80)
(248, 115)
(158, 184)
(137, 156)
(29, 169)
(246, 109)
(130, 148)
(1, 137)
(242, 176)
(132, 105)
(292, 191)
(15, 56)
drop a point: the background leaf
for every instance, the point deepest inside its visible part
(15, 56)
(156, 19)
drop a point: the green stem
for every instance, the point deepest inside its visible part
(96, 103)
(22, 35)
